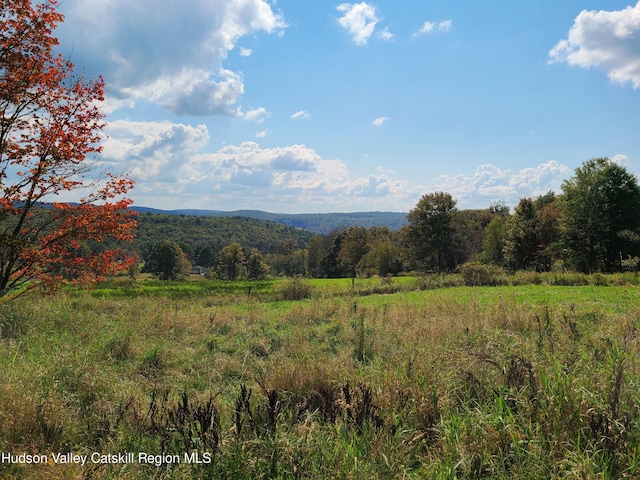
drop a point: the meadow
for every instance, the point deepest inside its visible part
(537, 376)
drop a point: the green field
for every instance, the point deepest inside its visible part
(382, 378)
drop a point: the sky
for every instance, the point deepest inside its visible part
(293, 106)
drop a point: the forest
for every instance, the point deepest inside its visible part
(591, 226)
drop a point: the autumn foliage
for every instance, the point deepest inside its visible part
(50, 129)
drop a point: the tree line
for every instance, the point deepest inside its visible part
(593, 225)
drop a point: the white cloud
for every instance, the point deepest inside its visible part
(301, 115)
(607, 40)
(490, 183)
(621, 160)
(378, 122)
(386, 35)
(196, 96)
(445, 26)
(172, 56)
(359, 19)
(152, 150)
(428, 27)
(263, 133)
(245, 52)
(294, 169)
(256, 115)
(170, 171)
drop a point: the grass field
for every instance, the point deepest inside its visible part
(401, 378)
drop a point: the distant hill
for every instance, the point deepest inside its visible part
(318, 223)
(192, 231)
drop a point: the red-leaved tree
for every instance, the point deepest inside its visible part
(50, 126)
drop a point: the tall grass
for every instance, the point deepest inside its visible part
(463, 382)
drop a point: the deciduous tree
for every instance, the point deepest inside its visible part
(532, 234)
(318, 248)
(521, 243)
(600, 209)
(354, 246)
(493, 241)
(50, 126)
(231, 258)
(167, 261)
(429, 235)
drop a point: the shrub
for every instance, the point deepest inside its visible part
(526, 278)
(599, 280)
(566, 279)
(478, 274)
(295, 289)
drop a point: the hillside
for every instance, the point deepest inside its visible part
(318, 223)
(197, 231)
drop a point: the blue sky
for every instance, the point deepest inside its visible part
(318, 106)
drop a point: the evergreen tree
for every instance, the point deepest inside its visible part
(257, 269)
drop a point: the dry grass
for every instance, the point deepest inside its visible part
(442, 384)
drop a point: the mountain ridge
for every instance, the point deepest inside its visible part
(319, 223)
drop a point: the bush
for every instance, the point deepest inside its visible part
(566, 279)
(477, 274)
(295, 289)
(599, 280)
(526, 278)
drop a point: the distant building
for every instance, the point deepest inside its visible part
(198, 270)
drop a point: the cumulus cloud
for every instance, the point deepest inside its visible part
(189, 95)
(256, 115)
(171, 169)
(490, 183)
(428, 27)
(152, 151)
(171, 55)
(245, 52)
(301, 115)
(606, 40)
(167, 162)
(264, 133)
(378, 122)
(294, 168)
(359, 19)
